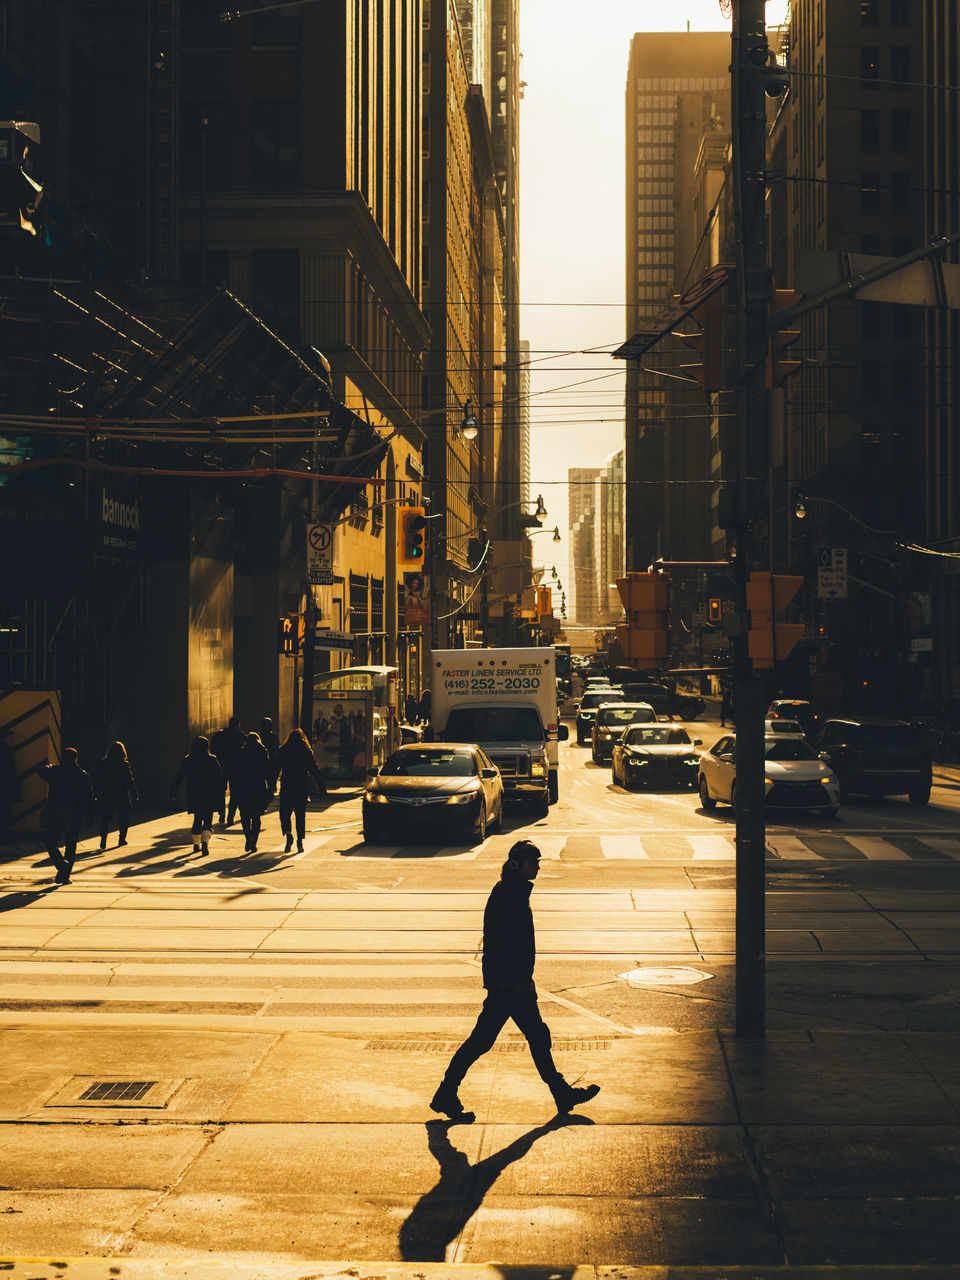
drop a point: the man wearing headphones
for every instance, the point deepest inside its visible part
(509, 951)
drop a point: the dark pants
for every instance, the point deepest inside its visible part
(62, 861)
(123, 823)
(293, 807)
(498, 1008)
(250, 822)
(202, 821)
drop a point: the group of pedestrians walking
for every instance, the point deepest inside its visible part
(247, 767)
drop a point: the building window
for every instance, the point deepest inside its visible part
(869, 66)
(900, 193)
(900, 64)
(275, 291)
(872, 320)
(359, 594)
(280, 26)
(901, 449)
(870, 129)
(900, 129)
(869, 193)
(902, 381)
(275, 157)
(901, 323)
(899, 13)
(871, 379)
(376, 604)
(870, 451)
(869, 13)
(204, 148)
(202, 28)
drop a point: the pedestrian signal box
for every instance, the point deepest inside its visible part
(768, 594)
(715, 612)
(288, 633)
(643, 638)
(411, 537)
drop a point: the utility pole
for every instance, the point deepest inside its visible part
(749, 116)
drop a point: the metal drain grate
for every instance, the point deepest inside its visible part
(117, 1090)
(507, 1046)
(89, 1091)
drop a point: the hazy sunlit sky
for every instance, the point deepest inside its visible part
(572, 193)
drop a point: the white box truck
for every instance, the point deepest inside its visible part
(504, 700)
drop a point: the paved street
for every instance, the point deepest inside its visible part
(273, 1026)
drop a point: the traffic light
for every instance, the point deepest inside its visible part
(288, 633)
(411, 537)
(715, 612)
(769, 594)
(643, 638)
(21, 196)
(778, 340)
(708, 344)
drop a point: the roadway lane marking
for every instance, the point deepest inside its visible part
(790, 847)
(878, 849)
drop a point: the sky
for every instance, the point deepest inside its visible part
(572, 193)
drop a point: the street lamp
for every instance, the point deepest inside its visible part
(469, 429)
(555, 531)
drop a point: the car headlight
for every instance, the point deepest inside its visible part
(538, 769)
(637, 762)
(692, 761)
(376, 797)
(462, 797)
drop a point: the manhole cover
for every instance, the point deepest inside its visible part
(660, 977)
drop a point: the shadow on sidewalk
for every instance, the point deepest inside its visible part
(441, 1213)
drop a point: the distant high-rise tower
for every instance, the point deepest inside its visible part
(662, 66)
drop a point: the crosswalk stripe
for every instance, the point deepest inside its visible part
(712, 848)
(790, 847)
(624, 847)
(946, 845)
(877, 849)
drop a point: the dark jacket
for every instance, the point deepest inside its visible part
(226, 746)
(509, 948)
(205, 783)
(299, 773)
(114, 786)
(252, 781)
(70, 798)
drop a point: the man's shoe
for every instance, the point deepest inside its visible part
(446, 1103)
(121, 841)
(196, 848)
(103, 845)
(299, 846)
(288, 844)
(569, 1096)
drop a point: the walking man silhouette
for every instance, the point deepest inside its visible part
(509, 954)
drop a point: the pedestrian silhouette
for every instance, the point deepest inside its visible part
(299, 775)
(9, 782)
(115, 791)
(441, 1213)
(268, 736)
(509, 954)
(226, 745)
(254, 779)
(205, 784)
(69, 805)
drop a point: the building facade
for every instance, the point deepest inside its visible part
(662, 67)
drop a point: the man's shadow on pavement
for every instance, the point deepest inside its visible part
(441, 1213)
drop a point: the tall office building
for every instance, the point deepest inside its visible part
(847, 146)
(663, 65)
(941, 442)
(581, 482)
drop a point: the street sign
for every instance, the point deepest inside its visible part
(832, 573)
(921, 644)
(320, 554)
(325, 638)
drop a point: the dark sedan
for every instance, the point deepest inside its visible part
(430, 789)
(610, 722)
(587, 710)
(656, 755)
